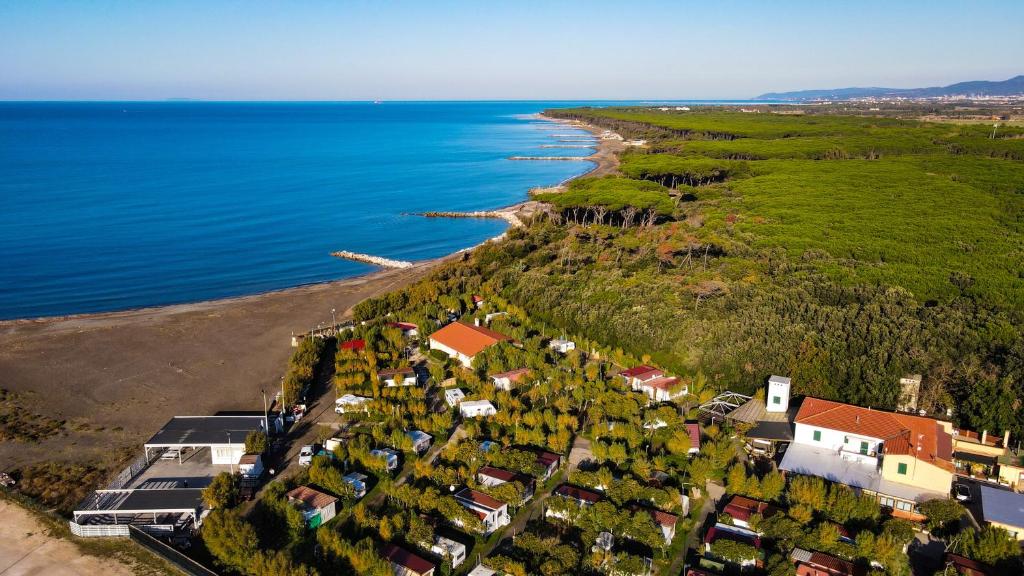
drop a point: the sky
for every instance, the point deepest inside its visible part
(450, 50)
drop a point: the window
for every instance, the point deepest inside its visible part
(886, 501)
(904, 506)
(817, 435)
(776, 400)
(901, 468)
(864, 448)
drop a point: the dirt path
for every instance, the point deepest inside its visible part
(25, 548)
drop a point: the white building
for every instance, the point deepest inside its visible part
(420, 440)
(561, 345)
(448, 548)
(351, 403)
(357, 481)
(317, 508)
(223, 435)
(476, 408)
(493, 513)
(453, 396)
(508, 380)
(398, 376)
(778, 394)
(389, 456)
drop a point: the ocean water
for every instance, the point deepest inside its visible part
(109, 206)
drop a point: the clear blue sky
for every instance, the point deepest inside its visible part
(391, 49)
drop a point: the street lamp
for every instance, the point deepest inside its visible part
(266, 414)
(231, 453)
(334, 320)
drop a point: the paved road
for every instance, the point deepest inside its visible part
(713, 493)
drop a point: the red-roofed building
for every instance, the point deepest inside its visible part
(571, 495)
(405, 563)
(490, 476)
(664, 520)
(464, 341)
(408, 328)
(641, 373)
(845, 443)
(693, 431)
(654, 383)
(491, 511)
(506, 380)
(549, 461)
(354, 345)
(316, 507)
(966, 567)
(813, 563)
(741, 508)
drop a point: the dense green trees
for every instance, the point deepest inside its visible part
(222, 492)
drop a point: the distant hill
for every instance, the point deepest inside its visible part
(1010, 87)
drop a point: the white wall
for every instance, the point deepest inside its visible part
(227, 453)
(466, 361)
(833, 439)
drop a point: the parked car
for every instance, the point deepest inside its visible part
(170, 454)
(306, 455)
(962, 492)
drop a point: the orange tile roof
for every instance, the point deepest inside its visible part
(466, 338)
(904, 434)
(662, 383)
(311, 497)
(513, 375)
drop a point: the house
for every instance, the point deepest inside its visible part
(723, 532)
(962, 566)
(1011, 468)
(453, 396)
(464, 341)
(223, 435)
(405, 563)
(813, 563)
(476, 408)
(549, 461)
(408, 329)
(653, 383)
(507, 380)
(1003, 508)
(900, 459)
(741, 508)
(490, 476)
(357, 345)
(317, 508)
(491, 511)
(351, 403)
(693, 431)
(979, 454)
(663, 520)
(448, 548)
(389, 456)
(483, 570)
(767, 428)
(580, 496)
(357, 481)
(478, 300)
(250, 466)
(561, 345)
(391, 377)
(420, 440)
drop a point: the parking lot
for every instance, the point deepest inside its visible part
(194, 471)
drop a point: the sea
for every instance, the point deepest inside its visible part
(116, 205)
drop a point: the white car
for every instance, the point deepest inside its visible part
(170, 454)
(306, 455)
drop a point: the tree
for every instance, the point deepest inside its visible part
(222, 491)
(772, 485)
(942, 514)
(256, 442)
(736, 480)
(808, 491)
(230, 539)
(992, 545)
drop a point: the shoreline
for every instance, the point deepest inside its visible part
(605, 161)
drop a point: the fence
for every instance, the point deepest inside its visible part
(182, 562)
(98, 530)
(126, 475)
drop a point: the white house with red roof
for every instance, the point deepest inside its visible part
(464, 341)
(409, 330)
(665, 521)
(493, 513)
(549, 461)
(391, 377)
(902, 459)
(741, 509)
(654, 383)
(490, 477)
(574, 494)
(508, 380)
(406, 563)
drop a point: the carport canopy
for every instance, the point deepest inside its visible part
(204, 431)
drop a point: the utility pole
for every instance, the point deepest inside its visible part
(266, 414)
(334, 322)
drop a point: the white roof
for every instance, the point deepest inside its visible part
(454, 394)
(482, 570)
(476, 404)
(779, 379)
(352, 399)
(418, 435)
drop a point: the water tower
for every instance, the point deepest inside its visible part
(778, 394)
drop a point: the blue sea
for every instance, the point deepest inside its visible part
(116, 205)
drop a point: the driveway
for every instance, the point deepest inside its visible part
(580, 453)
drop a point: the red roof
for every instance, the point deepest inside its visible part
(742, 508)
(662, 518)
(311, 497)
(403, 557)
(503, 475)
(693, 431)
(546, 459)
(661, 383)
(643, 372)
(966, 566)
(404, 326)
(479, 498)
(831, 564)
(513, 375)
(356, 345)
(467, 339)
(581, 494)
(904, 434)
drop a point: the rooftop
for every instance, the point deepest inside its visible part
(693, 431)
(513, 375)
(479, 498)
(467, 339)
(1002, 506)
(662, 383)
(355, 345)
(581, 494)
(642, 372)
(205, 430)
(311, 497)
(742, 508)
(403, 557)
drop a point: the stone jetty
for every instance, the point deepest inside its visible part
(371, 259)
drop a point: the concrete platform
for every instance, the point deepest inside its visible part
(195, 469)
